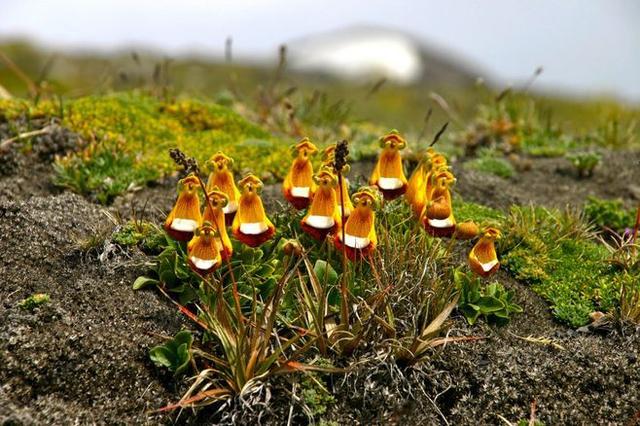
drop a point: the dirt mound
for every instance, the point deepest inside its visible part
(552, 182)
(82, 357)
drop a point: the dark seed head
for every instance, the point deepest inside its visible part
(340, 156)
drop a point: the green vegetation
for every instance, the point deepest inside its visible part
(34, 301)
(493, 163)
(609, 214)
(584, 162)
(556, 253)
(315, 394)
(492, 302)
(475, 212)
(296, 306)
(146, 235)
(175, 354)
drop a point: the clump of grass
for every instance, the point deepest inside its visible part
(34, 301)
(556, 253)
(146, 235)
(476, 212)
(492, 163)
(584, 162)
(608, 214)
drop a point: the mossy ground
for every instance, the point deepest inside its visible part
(127, 135)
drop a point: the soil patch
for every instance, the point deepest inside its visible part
(82, 357)
(553, 182)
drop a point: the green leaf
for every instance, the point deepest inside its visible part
(143, 281)
(490, 304)
(162, 356)
(175, 354)
(325, 272)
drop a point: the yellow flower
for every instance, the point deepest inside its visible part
(360, 237)
(323, 216)
(185, 217)
(437, 216)
(298, 186)
(388, 174)
(435, 164)
(219, 201)
(483, 259)
(202, 250)
(221, 177)
(466, 231)
(251, 225)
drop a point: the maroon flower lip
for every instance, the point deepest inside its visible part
(438, 232)
(353, 254)
(316, 233)
(254, 240)
(392, 194)
(203, 271)
(178, 235)
(300, 203)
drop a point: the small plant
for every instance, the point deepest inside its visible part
(630, 297)
(493, 163)
(493, 303)
(556, 253)
(315, 395)
(584, 162)
(33, 301)
(145, 235)
(609, 214)
(175, 354)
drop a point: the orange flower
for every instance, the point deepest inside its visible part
(298, 186)
(251, 225)
(202, 250)
(221, 177)
(388, 175)
(417, 181)
(185, 217)
(437, 216)
(466, 231)
(436, 164)
(359, 231)
(483, 259)
(219, 201)
(324, 215)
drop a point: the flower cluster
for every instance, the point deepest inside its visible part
(429, 195)
(209, 243)
(349, 222)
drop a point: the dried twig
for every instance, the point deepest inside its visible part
(7, 142)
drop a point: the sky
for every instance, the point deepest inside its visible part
(587, 47)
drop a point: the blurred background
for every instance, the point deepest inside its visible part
(387, 60)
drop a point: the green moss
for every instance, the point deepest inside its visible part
(146, 235)
(608, 214)
(493, 165)
(543, 143)
(315, 395)
(129, 134)
(549, 250)
(33, 301)
(478, 213)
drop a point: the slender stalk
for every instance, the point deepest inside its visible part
(344, 306)
(635, 230)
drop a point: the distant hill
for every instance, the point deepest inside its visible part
(370, 52)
